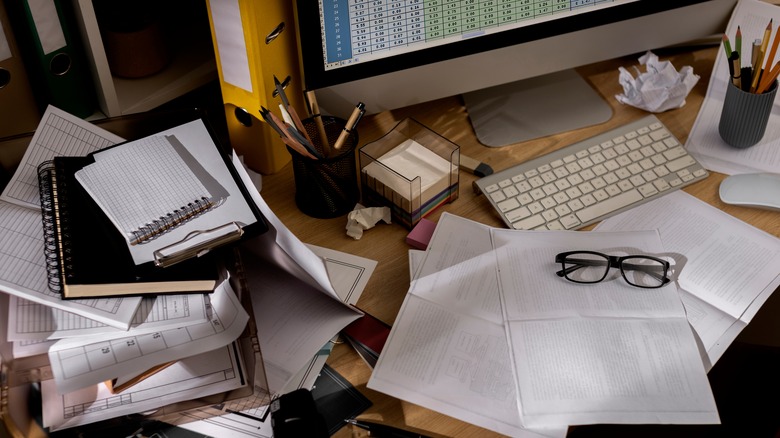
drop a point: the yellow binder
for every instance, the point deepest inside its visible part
(253, 42)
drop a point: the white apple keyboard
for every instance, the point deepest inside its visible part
(761, 190)
(590, 180)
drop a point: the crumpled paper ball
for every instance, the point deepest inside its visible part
(363, 218)
(660, 88)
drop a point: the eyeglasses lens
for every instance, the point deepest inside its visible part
(644, 272)
(585, 268)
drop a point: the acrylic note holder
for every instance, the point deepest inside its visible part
(411, 169)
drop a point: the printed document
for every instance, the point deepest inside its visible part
(33, 321)
(455, 349)
(606, 352)
(82, 362)
(730, 267)
(447, 350)
(349, 275)
(197, 376)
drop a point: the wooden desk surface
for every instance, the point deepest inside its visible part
(385, 243)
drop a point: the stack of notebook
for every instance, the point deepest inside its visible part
(143, 217)
(161, 350)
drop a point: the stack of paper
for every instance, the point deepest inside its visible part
(728, 268)
(489, 334)
(206, 339)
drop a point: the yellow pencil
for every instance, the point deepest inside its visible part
(757, 66)
(770, 59)
(769, 78)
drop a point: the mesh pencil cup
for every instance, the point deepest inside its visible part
(745, 115)
(326, 187)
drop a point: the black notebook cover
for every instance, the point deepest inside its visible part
(336, 399)
(87, 257)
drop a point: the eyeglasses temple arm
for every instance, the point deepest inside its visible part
(577, 264)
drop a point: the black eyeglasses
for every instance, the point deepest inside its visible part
(593, 267)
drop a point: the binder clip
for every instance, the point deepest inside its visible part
(197, 243)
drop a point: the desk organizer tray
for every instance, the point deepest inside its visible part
(411, 169)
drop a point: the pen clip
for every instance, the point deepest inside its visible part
(360, 116)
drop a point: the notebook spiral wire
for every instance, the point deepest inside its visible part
(51, 218)
(172, 220)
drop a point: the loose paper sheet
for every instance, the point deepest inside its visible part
(451, 316)
(33, 321)
(730, 267)
(597, 353)
(197, 376)
(82, 362)
(439, 319)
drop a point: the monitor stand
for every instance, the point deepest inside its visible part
(533, 108)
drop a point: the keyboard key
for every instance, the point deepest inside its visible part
(659, 134)
(508, 204)
(661, 185)
(554, 225)
(520, 213)
(677, 152)
(511, 192)
(680, 163)
(523, 186)
(614, 203)
(648, 190)
(497, 196)
(529, 223)
(549, 215)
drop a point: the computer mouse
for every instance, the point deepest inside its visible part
(761, 190)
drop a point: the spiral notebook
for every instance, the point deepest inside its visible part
(150, 187)
(86, 257)
(197, 201)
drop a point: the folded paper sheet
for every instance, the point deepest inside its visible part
(660, 88)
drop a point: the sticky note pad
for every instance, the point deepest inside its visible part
(421, 234)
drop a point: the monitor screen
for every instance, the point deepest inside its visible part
(393, 53)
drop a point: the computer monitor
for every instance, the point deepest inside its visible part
(511, 60)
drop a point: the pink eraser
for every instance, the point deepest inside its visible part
(421, 234)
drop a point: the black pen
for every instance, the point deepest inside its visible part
(383, 430)
(357, 113)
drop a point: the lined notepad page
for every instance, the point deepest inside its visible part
(140, 183)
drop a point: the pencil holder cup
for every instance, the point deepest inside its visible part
(745, 115)
(326, 187)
